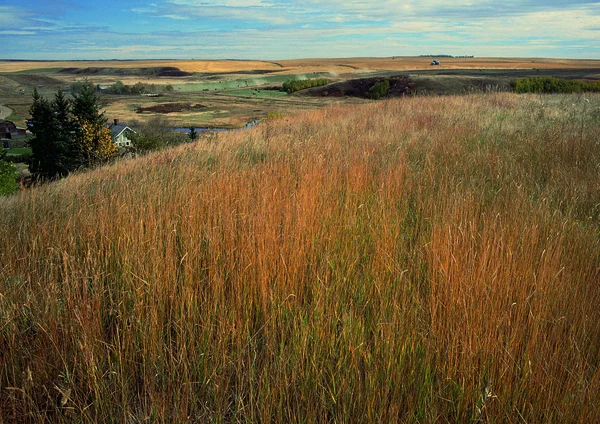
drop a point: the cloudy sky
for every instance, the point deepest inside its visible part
(283, 29)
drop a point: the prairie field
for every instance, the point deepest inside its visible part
(236, 92)
(419, 259)
(306, 65)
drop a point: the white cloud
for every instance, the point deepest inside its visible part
(16, 32)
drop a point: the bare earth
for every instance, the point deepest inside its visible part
(5, 112)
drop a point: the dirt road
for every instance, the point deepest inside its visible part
(5, 111)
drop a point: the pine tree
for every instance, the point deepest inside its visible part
(193, 135)
(86, 106)
(47, 153)
(66, 132)
(94, 139)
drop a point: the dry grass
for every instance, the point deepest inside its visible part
(415, 260)
(347, 65)
(415, 63)
(221, 66)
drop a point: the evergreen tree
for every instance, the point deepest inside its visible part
(86, 106)
(47, 153)
(66, 132)
(94, 140)
(193, 133)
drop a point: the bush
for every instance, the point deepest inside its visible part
(120, 89)
(379, 89)
(294, 85)
(155, 134)
(552, 85)
(8, 178)
(22, 158)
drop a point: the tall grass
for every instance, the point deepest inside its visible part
(414, 260)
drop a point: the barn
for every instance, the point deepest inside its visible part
(9, 130)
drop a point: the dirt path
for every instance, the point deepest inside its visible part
(5, 111)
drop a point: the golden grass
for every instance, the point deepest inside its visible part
(223, 66)
(342, 65)
(413, 260)
(419, 63)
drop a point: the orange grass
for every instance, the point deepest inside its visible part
(339, 65)
(413, 260)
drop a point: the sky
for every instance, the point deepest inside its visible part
(287, 29)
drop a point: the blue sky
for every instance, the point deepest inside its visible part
(285, 29)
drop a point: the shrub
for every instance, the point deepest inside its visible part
(379, 89)
(294, 85)
(8, 177)
(552, 85)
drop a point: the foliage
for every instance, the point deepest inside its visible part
(379, 89)
(8, 176)
(97, 144)
(294, 85)
(552, 85)
(86, 106)
(67, 134)
(138, 88)
(78, 86)
(272, 115)
(50, 146)
(193, 134)
(155, 134)
(169, 88)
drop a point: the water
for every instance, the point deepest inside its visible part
(218, 130)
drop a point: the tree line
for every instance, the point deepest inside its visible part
(554, 85)
(68, 134)
(292, 86)
(119, 88)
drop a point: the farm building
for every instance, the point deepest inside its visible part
(9, 130)
(120, 133)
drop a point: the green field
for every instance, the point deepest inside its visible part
(256, 93)
(16, 151)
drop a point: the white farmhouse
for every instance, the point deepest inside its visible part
(120, 133)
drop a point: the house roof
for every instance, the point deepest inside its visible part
(117, 130)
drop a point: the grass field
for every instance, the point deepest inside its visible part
(422, 259)
(216, 83)
(341, 65)
(14, 151)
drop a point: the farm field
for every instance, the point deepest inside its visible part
(416, 259)
(221, 85)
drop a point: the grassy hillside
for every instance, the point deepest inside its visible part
(414, 260)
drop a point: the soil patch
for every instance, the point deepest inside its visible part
(170, 108)
(162, 71)
(399, 86)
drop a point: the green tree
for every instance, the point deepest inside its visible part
(65, 132)
(193, 134)
(155, 134)
(119, 88)
(47, 152)
(379, 89)
(86, 106)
